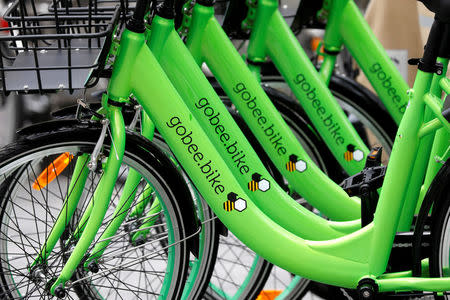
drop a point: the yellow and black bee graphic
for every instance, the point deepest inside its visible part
(290, 166)
(253, 184)
(234, 203)
(295, 164)
(229, 204)
(353, 154)
(258, 183)
(348, 155)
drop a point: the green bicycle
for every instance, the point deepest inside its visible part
(179, 127)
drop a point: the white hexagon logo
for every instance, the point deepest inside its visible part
(300, 166)
(358, 155)
(264, 185)
(240, 204)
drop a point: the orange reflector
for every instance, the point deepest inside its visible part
(315, 42)
(53, 170)
(268, 294)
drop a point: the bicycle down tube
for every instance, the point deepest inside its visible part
(346, 26)
(272, 37)
(207, 41)
(209, 110)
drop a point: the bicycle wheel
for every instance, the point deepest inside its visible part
(440, 227)
(208, 238)
(155, 267)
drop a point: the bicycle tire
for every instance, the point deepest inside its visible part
(200, 270)
(139, 155)
(439, 192)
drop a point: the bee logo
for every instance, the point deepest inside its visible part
(295, 164)
(348, 155)
(290, 166)
(234, 203)
(352, 154)
(257, 183)
(228, 205)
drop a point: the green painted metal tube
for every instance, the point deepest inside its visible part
(102, 196)
(445, 85)
(401, 163)
(347, 24)
(76, 187)
(327, 67)
(413, 199)
(256, 45)
(143, 201)
(151, 217)
(435, 105)
(414, 284)
(316, 99)
(123, 205)
(442, 136)
(119, 84)
(430, 127)
(267, 124)
(83, 221)
(415, 182)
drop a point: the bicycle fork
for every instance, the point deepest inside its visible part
(97, 207)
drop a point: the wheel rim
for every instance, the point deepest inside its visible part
(109, 277)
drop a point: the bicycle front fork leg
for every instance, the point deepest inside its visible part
(125, 201)
(100, 200)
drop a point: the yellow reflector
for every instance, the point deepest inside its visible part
(268, 294)
(53, 170)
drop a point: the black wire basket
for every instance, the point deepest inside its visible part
(56, 49)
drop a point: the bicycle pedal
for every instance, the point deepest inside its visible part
(365, 184)
(369, 179)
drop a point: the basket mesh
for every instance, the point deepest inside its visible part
(45, 49)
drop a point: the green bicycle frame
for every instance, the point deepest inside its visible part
(351, 257)
(346, 26)
(361, 254)
(209, 110)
